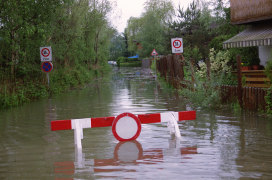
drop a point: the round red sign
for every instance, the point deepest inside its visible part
(177, 44)
(126, 127)
(47, 66)
(45, 52)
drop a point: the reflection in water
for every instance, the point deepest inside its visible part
(125, 154)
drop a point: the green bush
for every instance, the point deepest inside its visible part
(202, 95)
(61, 80)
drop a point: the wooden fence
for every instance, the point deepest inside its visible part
(256, 78)
(171, 68)
(252, 98)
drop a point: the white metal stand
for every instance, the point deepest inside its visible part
(78, 134)
(173, 125)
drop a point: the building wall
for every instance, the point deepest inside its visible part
(265, 53)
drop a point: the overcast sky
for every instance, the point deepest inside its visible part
(126, 8)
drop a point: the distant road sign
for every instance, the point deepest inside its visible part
(47, 66)
(177, 45)
(154, 53)
(46, 53)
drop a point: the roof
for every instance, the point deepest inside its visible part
(256, 35)
(246, 11)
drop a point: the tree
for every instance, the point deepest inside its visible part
(151, 29)
(132, 32)
(77, 30)
(117, 46)
(22, 31)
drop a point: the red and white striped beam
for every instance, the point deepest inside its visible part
(125, 127)
(108, 121)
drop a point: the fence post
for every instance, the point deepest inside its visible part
(239, 78)
(192, 72)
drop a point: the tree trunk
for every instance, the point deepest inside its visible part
(208, 64)
(96, 48)
(13, 56)
(192, 72)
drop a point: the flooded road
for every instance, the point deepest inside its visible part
(217, 145)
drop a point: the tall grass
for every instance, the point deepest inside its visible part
(26, 90)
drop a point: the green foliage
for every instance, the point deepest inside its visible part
(268, 100)
(268, 97)
(203, 95)
(220, 64)
(60, 81)
(150, 31)
(131, 64)
(78, 32)
(217, 41)
(128, 62)
(194, 24)
(236, 107)
(268, 69)
(121, 60)
(117, 47)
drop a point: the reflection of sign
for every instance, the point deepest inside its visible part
(154, 53)
(177, 45)
(47, 66)
(46, 53)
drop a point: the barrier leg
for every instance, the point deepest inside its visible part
(173, 126)
(78, 135)
(79, 157)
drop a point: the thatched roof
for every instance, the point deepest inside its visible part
(246, 11)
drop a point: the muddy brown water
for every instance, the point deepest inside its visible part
(217, 145)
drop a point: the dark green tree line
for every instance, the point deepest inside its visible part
(78, 31)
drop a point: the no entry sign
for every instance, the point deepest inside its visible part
(126, 127)
(47, 66)
(177, 45)
(46, 53)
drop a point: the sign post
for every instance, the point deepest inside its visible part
(47, 67)
(154, 54)
(46, 58)
(177, 45)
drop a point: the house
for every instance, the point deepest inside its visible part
(257, 14)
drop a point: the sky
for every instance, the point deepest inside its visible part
(124, 9)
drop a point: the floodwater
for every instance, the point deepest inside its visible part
(217, 145)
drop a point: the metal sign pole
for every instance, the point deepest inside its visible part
(155, 67)
(48, 80)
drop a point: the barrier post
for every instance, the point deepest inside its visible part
(125, 126)
(78, 134)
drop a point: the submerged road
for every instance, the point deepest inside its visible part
(217, 145)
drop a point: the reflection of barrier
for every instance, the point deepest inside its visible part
(67, 168)
(126, 126)
(132, 152)
(129, 152)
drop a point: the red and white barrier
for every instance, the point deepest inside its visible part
(125, 126)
